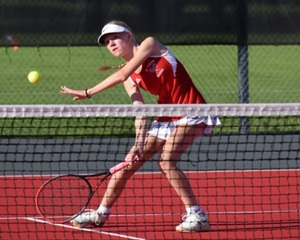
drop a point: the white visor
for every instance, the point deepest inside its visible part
(111, 28)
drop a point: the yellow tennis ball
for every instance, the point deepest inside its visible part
(34, 77)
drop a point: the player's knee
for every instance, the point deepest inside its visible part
(167, 166)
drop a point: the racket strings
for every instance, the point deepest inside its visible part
(63, 197)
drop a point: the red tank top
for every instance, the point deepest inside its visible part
(164, 76)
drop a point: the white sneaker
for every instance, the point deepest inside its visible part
(91, 217)
(194, 222)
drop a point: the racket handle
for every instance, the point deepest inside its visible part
(119, 167)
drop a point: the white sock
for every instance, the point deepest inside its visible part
(193, 209)
(103, 209)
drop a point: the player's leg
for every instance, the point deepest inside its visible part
(116, 186)
(118, 181)
(180, 140)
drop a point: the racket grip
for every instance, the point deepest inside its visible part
(119, 167)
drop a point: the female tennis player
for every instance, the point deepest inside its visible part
(152, 67)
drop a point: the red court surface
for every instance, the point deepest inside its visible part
(240, 205)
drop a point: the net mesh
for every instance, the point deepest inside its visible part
(245, 174)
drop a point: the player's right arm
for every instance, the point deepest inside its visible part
(148, 47)
(141, 123)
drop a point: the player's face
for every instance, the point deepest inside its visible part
(117, 43)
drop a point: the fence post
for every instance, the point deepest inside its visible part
(243, 68)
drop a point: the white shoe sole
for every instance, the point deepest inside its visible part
(204, 228)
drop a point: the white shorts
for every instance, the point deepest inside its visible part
(164, 130)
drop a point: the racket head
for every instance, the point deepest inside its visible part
(62, 198)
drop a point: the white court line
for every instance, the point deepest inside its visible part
(84, 229)
(158, 172)
(175, 214)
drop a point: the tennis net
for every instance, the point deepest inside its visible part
(245, 174)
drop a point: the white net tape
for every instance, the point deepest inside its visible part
(29, 111)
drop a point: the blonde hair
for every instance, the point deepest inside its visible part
(123, 24)
(120, 23)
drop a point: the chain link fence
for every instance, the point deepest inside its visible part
(235, 51)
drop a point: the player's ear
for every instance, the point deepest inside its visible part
(130, 37)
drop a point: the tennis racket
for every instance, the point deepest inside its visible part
(63, 198)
